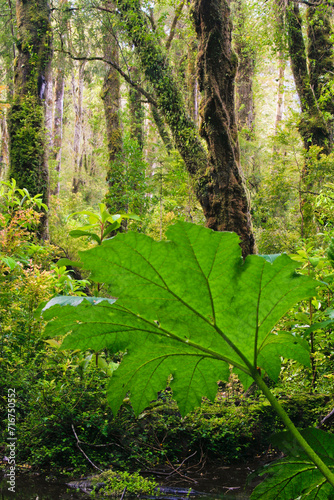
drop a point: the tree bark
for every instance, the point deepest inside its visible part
(320, 56)
(218, 179)
(192, 82)
(310, 70)
(26, 123)
(226, 206)
(111, 98)
(162, 129)
(137, 114)
(280, 91)
(58, 125)
(312, 126)
(245, 74)
(57, 128)
(4, 151)
(77, 95)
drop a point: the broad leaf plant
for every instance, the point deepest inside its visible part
(186, 309)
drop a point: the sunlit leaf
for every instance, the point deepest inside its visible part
(186, 308)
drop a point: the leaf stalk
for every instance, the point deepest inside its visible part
(294, 431)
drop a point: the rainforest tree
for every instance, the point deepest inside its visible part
(26, 118)
(217, 174)
(311, 63)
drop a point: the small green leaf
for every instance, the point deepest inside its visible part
(10, 262)
(314, 261)
(111, 228)
(286, 345)
(319, 326)
(131, 216)
(77, 233)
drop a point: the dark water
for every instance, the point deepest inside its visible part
(37, 488)
(216, 482)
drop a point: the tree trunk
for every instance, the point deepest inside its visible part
(218, 179)
(4, 152)
(310, 70)
(137, 115)
(321, 58)
(58, 125)
(226, 205)
(245, 74)
(59, 98)
(77, 95)
(26, 122)
(162, 129)
(192, 82)
(111, 98)
(48, 113)
(48, 106)
(312, 126)
(280, 91)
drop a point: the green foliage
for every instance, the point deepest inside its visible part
(44, 394)
(13, 197)
(126, 180)
(213, 328)
(226, 310)
(172, 198)
(26, 130)
(97, 226)
(295, 476)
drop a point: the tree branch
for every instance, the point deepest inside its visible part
(150, 99)
(174, 23)
(84, 454)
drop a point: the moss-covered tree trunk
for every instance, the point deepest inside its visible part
(136, 110)
(320, 54)
(313, 126)
(311, 65)
(226, 203)
(217, 175)
(162, 129)
(26, 123)
(111, 97)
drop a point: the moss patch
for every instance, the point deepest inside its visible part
(113, 484)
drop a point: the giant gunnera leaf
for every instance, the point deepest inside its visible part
(186, 308)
